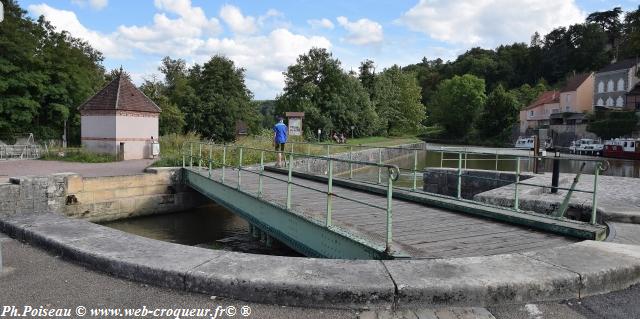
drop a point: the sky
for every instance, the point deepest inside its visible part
(264, 37)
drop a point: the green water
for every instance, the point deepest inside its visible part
(212, 227)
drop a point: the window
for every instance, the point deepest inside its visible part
(600, 102)
(621, 85)
(632, 144)
(530, 113)
(601, 87)
(620, 101)
(567, 108)
(609, 101)
(610, 86)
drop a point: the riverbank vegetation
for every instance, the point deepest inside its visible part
(46, 74)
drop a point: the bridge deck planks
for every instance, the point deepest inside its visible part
(422, 231)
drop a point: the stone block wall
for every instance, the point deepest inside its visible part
(444, 181)
(320, 166)
(100, 199)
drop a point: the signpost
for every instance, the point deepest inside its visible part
(294, 121)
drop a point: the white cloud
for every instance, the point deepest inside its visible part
(195, 38)
(68, 21)
(363, 31)
(489, 22)
(323, 23)
(238, 23)
(95, 4)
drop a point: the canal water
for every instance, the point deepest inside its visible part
(212, 227)
(433, 159)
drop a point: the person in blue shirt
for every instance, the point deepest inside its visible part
(279, 139)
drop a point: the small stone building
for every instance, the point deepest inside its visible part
(119, 120)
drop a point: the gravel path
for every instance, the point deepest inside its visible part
(37, 167)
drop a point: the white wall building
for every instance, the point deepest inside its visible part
(119, 120)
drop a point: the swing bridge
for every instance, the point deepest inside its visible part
(351, 202)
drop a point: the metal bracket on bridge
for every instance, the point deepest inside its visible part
(562, 210)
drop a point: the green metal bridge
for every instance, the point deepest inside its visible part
(322, 206)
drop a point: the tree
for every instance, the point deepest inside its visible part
(610, 23)
(331, 99)
(171, 117)
(223, 98)
(367, 76)
(526, 93)
(44, 76)
(457, 102)
(630, 47)
(499, 114)
(397, 101)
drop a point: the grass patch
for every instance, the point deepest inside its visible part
(77, 155)
(172, 153)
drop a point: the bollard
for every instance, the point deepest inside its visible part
(556, 173)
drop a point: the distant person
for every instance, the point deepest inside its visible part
(335, 137)
(279, 139)
(343, 139)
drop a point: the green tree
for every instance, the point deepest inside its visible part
(610, 23)
(367, 76)
(44, 76)
(331, 99)
(223, 98)
(526, 94)
(457, 103)
(630, 47)
(171, 117)
(499, 114)
(397, 100)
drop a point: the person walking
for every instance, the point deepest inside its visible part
(279, 139)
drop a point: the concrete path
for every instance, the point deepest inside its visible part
(618, 197)
(41, 278)
(573, 271)
(14, 168)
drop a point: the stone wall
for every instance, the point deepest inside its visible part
(100, 199)
(320, 166)
(444, 181)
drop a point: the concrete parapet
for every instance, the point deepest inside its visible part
(574, 271)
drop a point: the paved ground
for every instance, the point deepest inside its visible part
(37, 167)
(33, 277)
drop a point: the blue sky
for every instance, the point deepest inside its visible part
(264, 37)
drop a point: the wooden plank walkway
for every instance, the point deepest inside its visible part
(418, 230)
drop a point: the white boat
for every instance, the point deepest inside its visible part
(586, 146)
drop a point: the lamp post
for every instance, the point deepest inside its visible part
(319, 132)
(352, 129)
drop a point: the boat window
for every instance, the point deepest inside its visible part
(632, 144)
(625, 144)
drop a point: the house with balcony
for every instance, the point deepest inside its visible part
(536, 115)
(576, 99)
(614, 83)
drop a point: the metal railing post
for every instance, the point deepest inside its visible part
(289, 182)
(224, 161)
(328, 150)
(516, 199)
(329, 194)
(239, 167)
(441, 157)
(389, 211)
(210, 158)
(459, 193)
(594, 202)
(308, 158)
(379, 167)
(261, 173)
(191, 155)
(350, 163)
(465, 159)
(496, 160)
(415, 168)
(200, 157)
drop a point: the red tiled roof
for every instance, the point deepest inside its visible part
(574, 82)
(122, 95)
(547, 97)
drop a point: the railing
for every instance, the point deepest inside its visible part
(460, 157)
(209, 159)
(26, 151)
